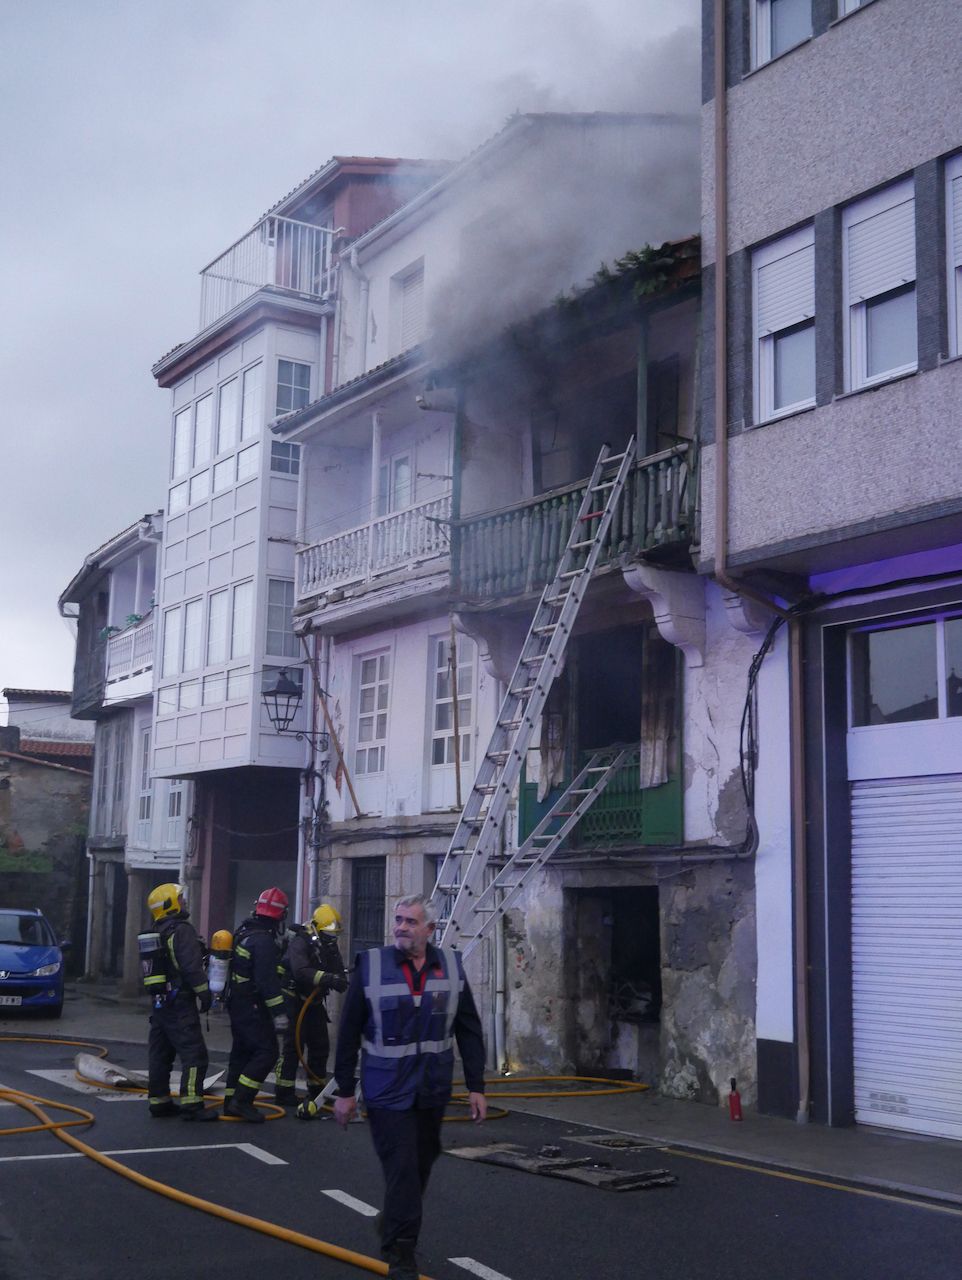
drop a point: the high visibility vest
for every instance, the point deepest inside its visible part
(407, 1045)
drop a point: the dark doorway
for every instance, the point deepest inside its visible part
(367, 904)
(609, 687)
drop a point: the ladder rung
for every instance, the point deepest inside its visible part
(543, 631)
(592, 515)
(538, 657)
(509, 724)
(557, 599)
(577, 546)
(571, 573)
(605, 484)
(523, 693)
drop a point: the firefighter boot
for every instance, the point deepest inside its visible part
(285, 1095)
(198, 1112)
(241, 1105)
(166, 1108)
(400, 1259)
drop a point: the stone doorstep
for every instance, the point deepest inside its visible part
(509, 1155)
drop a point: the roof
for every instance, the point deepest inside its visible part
(55, 747)
(92, 562)
(380, 373)
(41, 695)
(44, 764)
(338, 164)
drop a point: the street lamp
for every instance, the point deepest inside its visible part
(282, 702)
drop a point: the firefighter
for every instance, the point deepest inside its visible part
(174, 975)
(316, 968)
(256, 1003)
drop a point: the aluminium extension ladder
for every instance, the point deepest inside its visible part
(477, 836)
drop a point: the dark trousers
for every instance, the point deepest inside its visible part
(407, 1144)
(175, 1032)
(315, 1046)
(253, 1050)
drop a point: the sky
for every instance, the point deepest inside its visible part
(144, 136)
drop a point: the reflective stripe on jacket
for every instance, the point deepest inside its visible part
(407, 1046)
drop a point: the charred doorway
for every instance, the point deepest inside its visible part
(614, 973)
(608, 682)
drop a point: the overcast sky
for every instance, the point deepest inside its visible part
(143, 136)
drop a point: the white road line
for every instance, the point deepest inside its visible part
(358, 1205)
(478, 1269)
(247, 1147)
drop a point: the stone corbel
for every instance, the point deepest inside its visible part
(678, 603)
(499, 642)
(745, 614)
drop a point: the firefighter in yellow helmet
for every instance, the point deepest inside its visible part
(316, 968)
(174, 976)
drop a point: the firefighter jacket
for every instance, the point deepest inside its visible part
(406, 1023)
(314, 965)
(255, 969)
(183, 955)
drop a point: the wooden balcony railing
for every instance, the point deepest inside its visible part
(397, 541)
(516, 550)
(131, 651)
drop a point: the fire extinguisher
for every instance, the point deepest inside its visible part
(734, 1102)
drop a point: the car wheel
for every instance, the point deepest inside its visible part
(53, 1010)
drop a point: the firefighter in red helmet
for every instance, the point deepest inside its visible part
(256, 1003)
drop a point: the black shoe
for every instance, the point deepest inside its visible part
(244, 1111)
(198, 1113)
(161, 1109)
(401, 1262)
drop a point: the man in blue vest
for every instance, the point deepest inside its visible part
(404, 1009)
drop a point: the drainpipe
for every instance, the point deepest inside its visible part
(796, 726)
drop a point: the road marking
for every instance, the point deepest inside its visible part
(68, 1080)
(358, 1205)
(247, 1147)
(478, 1269)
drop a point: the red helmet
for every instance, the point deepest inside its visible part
(272, 903)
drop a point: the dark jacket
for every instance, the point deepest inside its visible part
(314, 963)
(407, 1056)
(254, 971)
(184, 954)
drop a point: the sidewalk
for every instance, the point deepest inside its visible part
(875, 1158)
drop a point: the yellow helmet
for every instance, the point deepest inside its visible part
(325, 921)
(167, 900)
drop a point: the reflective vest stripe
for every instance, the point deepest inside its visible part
(377, 989)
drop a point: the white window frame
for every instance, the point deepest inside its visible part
(175, 813)
(181, 441)
(855, 308)
(171, 633)
(411, 313)
(387, 487)
(145, 799)
(794, 254)
(285, 458)
(192, 636)
(283, 609)
(762, 32)
(292, 385)
(953, 251)
(467, 664)
(242, 619)
(228, 415)
(252, 395)
(203, 430)
(374, 741)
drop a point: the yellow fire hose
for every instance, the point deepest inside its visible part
(34, 1105)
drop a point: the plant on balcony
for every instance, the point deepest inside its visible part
(107, 632)
(133, 619)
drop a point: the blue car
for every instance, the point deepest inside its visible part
(31, 963)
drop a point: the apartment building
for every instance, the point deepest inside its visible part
(832, 240)
(138, 830)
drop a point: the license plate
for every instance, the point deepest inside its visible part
(8, 1000)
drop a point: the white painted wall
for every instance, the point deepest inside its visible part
(39, 718)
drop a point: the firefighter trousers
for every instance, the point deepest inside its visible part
(253, 1050)
(315, 1046)
(175, 1033)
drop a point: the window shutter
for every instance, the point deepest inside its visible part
(412, 309)
(881, 249)
(955, 216)
(785, 291)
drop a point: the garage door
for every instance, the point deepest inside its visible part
(907, 953)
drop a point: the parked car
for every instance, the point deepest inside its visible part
(31, 962)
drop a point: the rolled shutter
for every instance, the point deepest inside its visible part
(881, 244)
(412, 309)
(907, 953)
(785, 289)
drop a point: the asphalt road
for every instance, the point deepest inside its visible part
(63, 1217)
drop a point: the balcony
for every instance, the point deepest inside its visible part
(130, 662)
(516, 550)
(401, 540)
(279, 252)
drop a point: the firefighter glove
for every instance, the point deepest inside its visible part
(204, 1000)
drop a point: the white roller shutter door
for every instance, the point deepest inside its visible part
(907, 953)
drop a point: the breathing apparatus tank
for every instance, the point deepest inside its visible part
(153, 967)
(218, 966)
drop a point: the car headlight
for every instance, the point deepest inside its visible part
(46, 970)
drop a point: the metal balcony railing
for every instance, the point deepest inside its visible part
(515, 550)
(279, 252)
(396, 541)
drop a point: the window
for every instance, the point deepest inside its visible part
(878, 271)
(167, 700)
(247, 462)
(193, 634)
(411, 289)
(953, 226)
(849, 6)
(146, 786)
(215, 690)
(199, 487)
(281, 639)
(104, 736)
(203, 427)
(227, 406)
(224, 474)
(367, 904)
(178, 499)
(251, 408)
(442, 731)
(121, 750)
(240, 632)
(216, 630)
(189, 695)
(170, 661)
(373, 689)
(238, 684)
(783, 306)
(779, 25)
(394, 484)
(907, 671)
(285, 458)
(175, 811)
(293, 385)
(180, 460)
